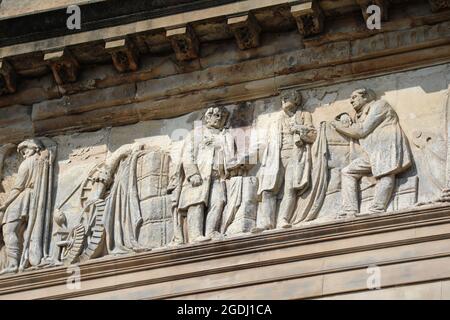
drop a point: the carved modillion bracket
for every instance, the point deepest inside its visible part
(383, 4)
(246, 30)
(309, 17)
(124, 55)
(64, 66)
(8, 78)
(184, 42)
(437, 5)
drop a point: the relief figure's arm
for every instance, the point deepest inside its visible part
(19, 186)
(189, 161)
(307, 131)
(362, 130)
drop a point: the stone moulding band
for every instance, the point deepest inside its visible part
(140, 26)
(297, 237)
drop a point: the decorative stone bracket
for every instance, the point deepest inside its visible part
(8, 78)
(246, 30)
(184, 42)
(309, 17)
(64, 66)
(383, 4)
(124, 55)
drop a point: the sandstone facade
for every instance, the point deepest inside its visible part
(180, 157)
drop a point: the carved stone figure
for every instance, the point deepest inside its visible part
(123, 216)
(286, 159)
(26, 213)
(123, 200)
(310, 202)
(384, 151)
(178, 219)
(209, 153)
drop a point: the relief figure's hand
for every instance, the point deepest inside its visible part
(196, 180)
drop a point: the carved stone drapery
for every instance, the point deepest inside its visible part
(184, 42)
(64, 66)
(246, 30)
(124, 55)
(309, 17)
(26, 212)
(8, 78)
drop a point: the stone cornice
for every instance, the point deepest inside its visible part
(146, 95)
(204, 23)
(307, 243)
(48, 21)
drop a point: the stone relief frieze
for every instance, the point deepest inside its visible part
(296, 159)
(26, 213)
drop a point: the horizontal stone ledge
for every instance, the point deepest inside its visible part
(300, 59)
(183, 103)
(85, 101)
(352, 30)
(129, 58)
(252, 251)
(140, 26)
(402, 274)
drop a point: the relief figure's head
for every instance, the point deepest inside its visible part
(216, 117)
(361, 97)
(29, 147)
(290, 102)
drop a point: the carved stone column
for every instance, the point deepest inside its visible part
(184, 42)
(246, 30)
(437, 5)
(124, 55)
(309, 17)
(8, 78)
(64, 66)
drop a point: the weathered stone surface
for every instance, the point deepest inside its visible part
(15, 123)
(84, 102)
(309, 17)
(437, 5)
(184, 42)
(8, 78)
(246, 30)
(124, 54)
(253, 198)
(64, 66)
(237, 158)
